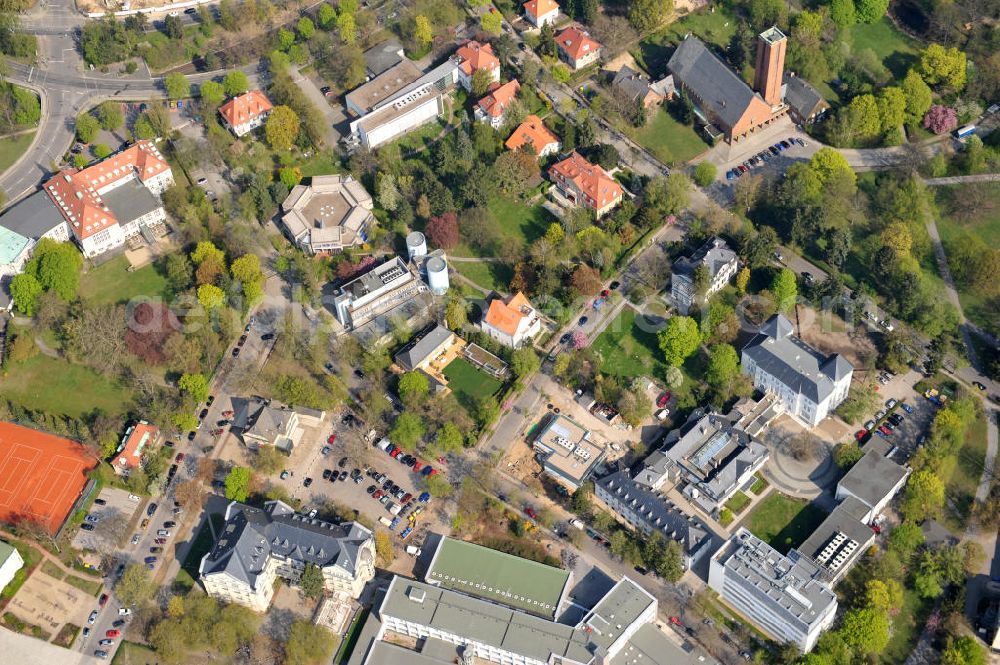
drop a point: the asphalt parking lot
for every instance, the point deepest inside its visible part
(914, 425)
(116, 518)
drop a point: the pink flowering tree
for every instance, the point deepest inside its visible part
(579, 340)
(940, 119)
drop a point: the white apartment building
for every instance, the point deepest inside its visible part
(720, 264)
(257, 546)
(244, 113)
(808, 384)
(512, 321)
(786, 597)
(540, 12)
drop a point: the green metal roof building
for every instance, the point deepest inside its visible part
(499, 577)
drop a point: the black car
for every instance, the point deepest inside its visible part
(343, 476)
(221, 423)
(773, 150)
(267, 337)
(358, 373)
(327, 473)
(583, 320)
(371, 489)
(150, 509)
(979, 385)
(307, 482)
(210, 400)
(342, 463)
(118, 624)
(247, 327)
(565, 338)
(190, 10)
(325, 90)
(191, 435)
(204, 412)
(784, 144)
(236, 352)
(243, 340)
(387, 484)
(100, 502)
(87, 527)
(614, 285)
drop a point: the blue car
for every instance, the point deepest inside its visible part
(395, 523)
(424, 498)
(406, 533)
(730, 175)
(906, 407)
(780, 147)
(880, 433)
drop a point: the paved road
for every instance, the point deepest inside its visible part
(959, 179)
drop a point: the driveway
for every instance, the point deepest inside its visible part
(331, 115)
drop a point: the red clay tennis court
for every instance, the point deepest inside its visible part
(41, 475)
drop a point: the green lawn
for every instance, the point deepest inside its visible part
(524, 223)
(31, 556)
(130, 653)
(492, 276)
(893, 47)
(716, 28)
(87, 586)
(759, 485)
(322, 163)
(468, 383)
(961, 475)
(738, 503)
(670, 141)
(112, 282)
(421, 137)
(350, 638)
(784, 522)
(629, 349)
(203, 542)
(55, 386)
(13, 147)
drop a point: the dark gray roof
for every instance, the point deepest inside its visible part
(257, 417)
(721, 92)
(846, 520)
(631, 82)
(873, 477)
(251, 535)
(32, 217)
(714, 254)
(384, 56)
(802, 96)
(657, 514)
(131, 201)
(417, 351)
(793, 362)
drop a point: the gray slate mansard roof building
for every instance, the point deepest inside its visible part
(804, 101)
(809, 384)
(416, 352)
(720, 262)
(256, 544)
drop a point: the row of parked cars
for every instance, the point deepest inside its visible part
(884, 422)
(763, 157)
(406, 459)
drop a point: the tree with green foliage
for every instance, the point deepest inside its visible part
(290, 176)
(843, 13)
(918, 96)
(491, 22)
(963, 650)
(211, 297)
(866, 629)
(864, 111)
(87, 127)
(101, 150)
(212, 93)
(195, 385)
(784, 290)
(847, 454)
(704, 173)
(723, 367)
(238, 484)
(306, 28)
(449, 438)
(524, 362)
(56, 266)
(679, 339)
(407, 431)
(923, 497)
(943, 66)
(438, 485)
(413, 387)
(110, 115)
(423, 33)
(235, 83)
(135, 587)
(644, 15)
(308, 644)
(347, 28)
(311, 583)
(285, 38)
(580, 502)
(884, 595)
(282, 128)
(561, 74)
(326, 15)
(905, 539)
(25, 291)
(177, 86)
(481, 80)
(246, 270)
(891, 102)
(871, 11)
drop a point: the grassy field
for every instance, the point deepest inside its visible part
(894, 48)
(961, 475)
(56, 386)
(420, 138)
(492, 276)
(350, 640)
(322, 163)
(524, 223)
(716, 28)
(468, 383)
(130, 653)
(738, 503)
(759, 484)
(784, 522)
(13, 147)
(670, 141)
(92, 587)
(111, 282)
(629, 350)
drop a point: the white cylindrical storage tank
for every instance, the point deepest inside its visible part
(416, 245)
(437, 275)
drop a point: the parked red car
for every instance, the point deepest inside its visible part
(662, 400)
(860, 434)
(331, 439)
(103, 600)
(395, 452)
(530, 512)
(417, 466)
(179, 458)
(113, 633)
(885, 430)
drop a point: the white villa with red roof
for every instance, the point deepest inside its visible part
(540, 12)
(512, 321)
(491, 108)
(586, 184)
(577, 48)
(106, 204)
(244, 113)
(473, 56)
(139, 438)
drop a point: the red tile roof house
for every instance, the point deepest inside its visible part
(107, 203)
(491, 107)
(473, 56)
(540, 12)
(512, 321)
(139, 438)
(577, 48)
(246, 112)
(586, 184)
(533, 132)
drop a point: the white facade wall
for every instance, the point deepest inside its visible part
(484, 651)
(245, 128)
(549, 17)
(525, 332)
(9, 567)
(228, 589)
(466, 80)
(420, 114)
(104, 240)
(797, 405)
